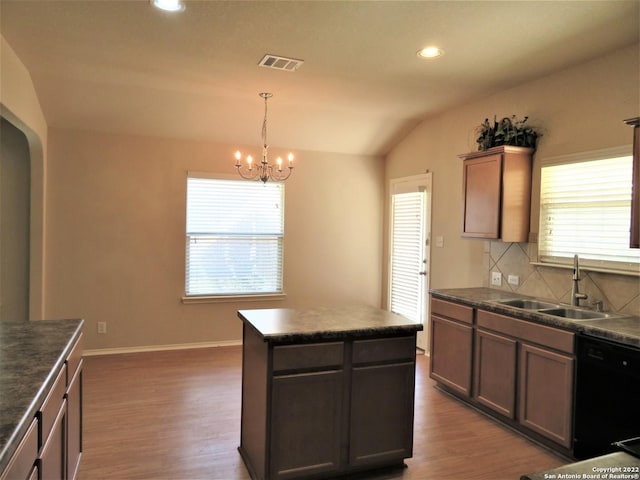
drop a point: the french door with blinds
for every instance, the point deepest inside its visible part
(410, 227)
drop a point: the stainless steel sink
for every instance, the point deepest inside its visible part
(574, 313)
(527, 304)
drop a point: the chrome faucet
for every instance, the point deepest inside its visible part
(576, 296)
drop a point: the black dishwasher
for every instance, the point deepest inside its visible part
(607, 397)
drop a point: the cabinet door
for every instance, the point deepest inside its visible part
(52, 460)
(481, 197)
(381, 425)
(306, 420)
(21, 463)
(74, 423)
(546, 393)
(495, 372)
(451, 346)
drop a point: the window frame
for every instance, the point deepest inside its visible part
(625, 268)
(223, 297)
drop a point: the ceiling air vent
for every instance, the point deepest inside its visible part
(280, 63)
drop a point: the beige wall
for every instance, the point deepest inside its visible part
(115, 236)
(578, 109)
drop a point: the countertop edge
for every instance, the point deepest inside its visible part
(309, 333)
(23, 423)
(486, 299)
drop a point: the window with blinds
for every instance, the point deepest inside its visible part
(585, 209)
(234, 237)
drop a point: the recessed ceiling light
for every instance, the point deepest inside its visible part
(168, 5)
(430, 52)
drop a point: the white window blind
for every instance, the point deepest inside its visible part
(407, 243)
(585, 209)
(234, 237)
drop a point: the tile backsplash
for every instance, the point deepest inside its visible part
(619, 293)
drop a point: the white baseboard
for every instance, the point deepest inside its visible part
(159, 348)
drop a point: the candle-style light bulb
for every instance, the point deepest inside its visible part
(249, 160)
(238, 156)
(290, 158)
(279, 160)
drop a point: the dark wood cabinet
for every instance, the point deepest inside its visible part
(546, 393)
(537, 362)
(516, 370)
(306, 406)
(382, 400)
(495, 372)
(451, 345)
(497, 193)
(326, 408)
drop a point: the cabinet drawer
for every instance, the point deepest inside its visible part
(531, 332)
(456, 311)
(73, 360)
(384, 350)
(22, 461)
(308, 356)
(51, 405)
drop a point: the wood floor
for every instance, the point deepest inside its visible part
(175, 415)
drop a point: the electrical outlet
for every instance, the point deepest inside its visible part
(496, 279)
(102, 327)
(513, 280)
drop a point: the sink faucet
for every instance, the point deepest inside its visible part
(576, 296)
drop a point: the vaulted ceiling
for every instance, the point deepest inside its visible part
(123, 66)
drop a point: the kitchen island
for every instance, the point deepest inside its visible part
(326, 391)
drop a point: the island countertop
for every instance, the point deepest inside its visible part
(31, 353)
(325, 323)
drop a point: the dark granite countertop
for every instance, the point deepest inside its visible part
(619, 327)
(611, 466)
(31, 354)
(326, 323)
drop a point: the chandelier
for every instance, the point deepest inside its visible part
(264, 170)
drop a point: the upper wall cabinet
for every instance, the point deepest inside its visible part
(497, 193)
(635, 198)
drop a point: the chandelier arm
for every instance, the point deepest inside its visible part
(278, 176)
(251, 176)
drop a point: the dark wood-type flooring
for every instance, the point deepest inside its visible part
(175, 415)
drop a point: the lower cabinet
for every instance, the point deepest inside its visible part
(451, 345)
(495, 372)
(306, 406)
(381, 426)
(546, 393)
(21, 466)
(326, 409)
(520, 371)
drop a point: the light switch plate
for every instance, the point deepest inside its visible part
(513, 280)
